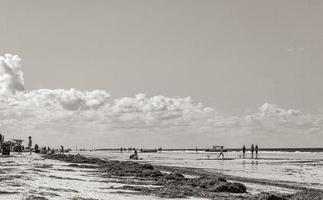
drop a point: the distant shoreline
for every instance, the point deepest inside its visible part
(229, 149)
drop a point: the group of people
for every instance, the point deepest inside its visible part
(253, 149)
(43, 150)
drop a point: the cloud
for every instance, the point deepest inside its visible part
(272, 113)
(74, 116)
(65, 114)
(11, 75)
(271, 119)
(295, 49)
(61, 109)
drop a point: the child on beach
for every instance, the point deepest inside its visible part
(252, 150)
(221, 153)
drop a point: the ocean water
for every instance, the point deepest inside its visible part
(300, 168)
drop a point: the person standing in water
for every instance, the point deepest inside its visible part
(256, 149)
(252, 150)
(243, 151)
(30, 143)
(1, 140)
(221, 153)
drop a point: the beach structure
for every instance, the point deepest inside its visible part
(17, 145)
(5, 148)
(11, 145)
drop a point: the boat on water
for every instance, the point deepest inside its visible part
(148, 150)
(215, 149)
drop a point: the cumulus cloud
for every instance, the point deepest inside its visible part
(73, 114)
(61, 109)
(273, 114)
(11, 75)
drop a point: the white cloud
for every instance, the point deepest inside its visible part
(60, 109)
(67, 115)
(11, 75)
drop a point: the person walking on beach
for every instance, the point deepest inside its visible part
(256, 149)
(62, 149)
(30, 143)
(252, 150)
(243, 151)
(221, 153)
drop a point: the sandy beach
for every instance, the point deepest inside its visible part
(161, 100)
(281, 173)
(25, 176)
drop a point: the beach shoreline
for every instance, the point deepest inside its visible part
(77, 177)
(174, 186)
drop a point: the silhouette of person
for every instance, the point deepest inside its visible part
(243, 151)
(30, 143)
(221, 153)
(36, 148)
(252, 150)
(135, 155)
(256, 149)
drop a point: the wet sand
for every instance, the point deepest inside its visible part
(179, 182)
(78, 177)
(303, 169)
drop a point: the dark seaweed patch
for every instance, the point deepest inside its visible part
(59, 189)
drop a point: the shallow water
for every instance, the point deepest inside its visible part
(304, 168)
(24, 175)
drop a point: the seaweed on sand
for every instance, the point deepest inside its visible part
(173, 185)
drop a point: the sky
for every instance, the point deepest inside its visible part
(177, 73)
